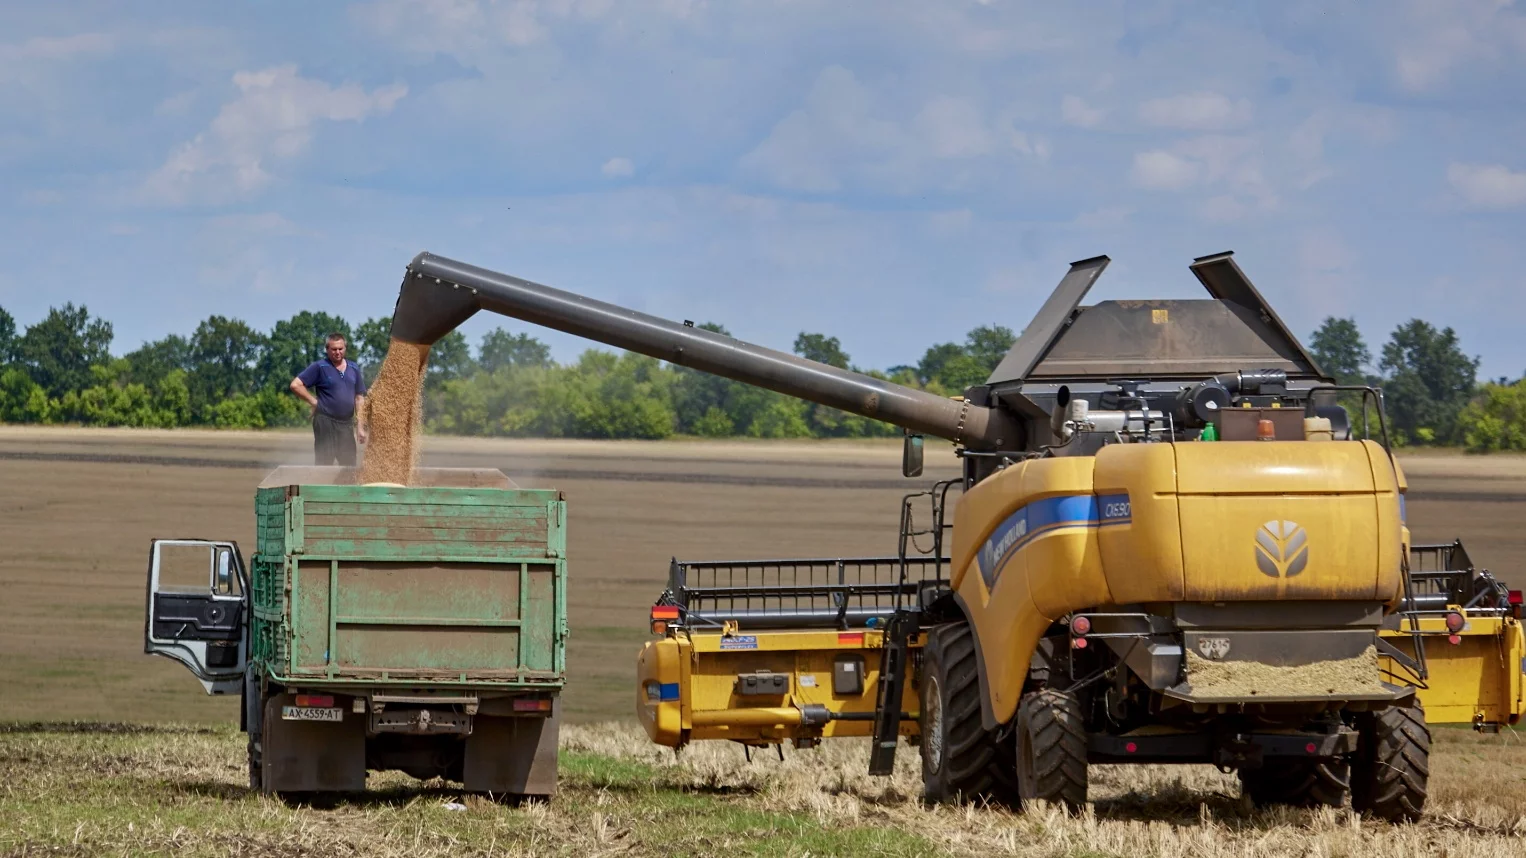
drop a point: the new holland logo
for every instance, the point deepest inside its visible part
(1282, 549)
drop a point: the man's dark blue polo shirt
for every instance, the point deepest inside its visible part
(336, 391)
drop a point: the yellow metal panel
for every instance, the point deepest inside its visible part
(1142, 558)
(1477, 678)
(1393, 536)
(661, 663)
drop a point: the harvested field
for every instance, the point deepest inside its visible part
(180, 790)
(80, 507)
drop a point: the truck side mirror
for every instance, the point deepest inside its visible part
(911, 456)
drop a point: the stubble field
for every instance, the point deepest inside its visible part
(77, 509)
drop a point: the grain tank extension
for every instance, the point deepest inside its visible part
(1170, 543)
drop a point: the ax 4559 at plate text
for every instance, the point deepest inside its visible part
(311, 713)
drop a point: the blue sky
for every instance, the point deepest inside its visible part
(894, 173)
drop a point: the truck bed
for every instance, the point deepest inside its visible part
(400, 586)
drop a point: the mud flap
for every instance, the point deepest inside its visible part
(311, 756)
(513, 756)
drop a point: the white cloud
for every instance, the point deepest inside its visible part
(1075, 111)
(271, 119)
(1434, 40)
(616, 167)
(44, 48)
(1162, 170)
(846, 132)
(1198, 111)
(1488, 186)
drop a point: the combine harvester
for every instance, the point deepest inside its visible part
(1169, 545)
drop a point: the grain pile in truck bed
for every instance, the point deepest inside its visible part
(395, 409)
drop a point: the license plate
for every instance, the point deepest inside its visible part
(311, 713)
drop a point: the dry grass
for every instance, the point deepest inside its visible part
(180, 791)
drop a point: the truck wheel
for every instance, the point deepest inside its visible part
(1392, 765)
(961, 761)
(1297, 783)
(1051, 748)
(255, 782)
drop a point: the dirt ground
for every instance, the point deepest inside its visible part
(78, 508)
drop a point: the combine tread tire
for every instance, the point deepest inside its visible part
(961, 761)
(1298, 783)
(1393, 764)
(1051, 746)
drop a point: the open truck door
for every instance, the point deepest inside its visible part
(198, 601)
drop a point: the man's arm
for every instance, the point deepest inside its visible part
(303, 393)
(361, 434)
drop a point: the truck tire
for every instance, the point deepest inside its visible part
(1051, 748)
(1297, 783)
(1392, 765)
(961, 761)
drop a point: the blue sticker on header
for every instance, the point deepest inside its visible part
(740, 642)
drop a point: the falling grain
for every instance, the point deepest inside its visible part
(395, 409)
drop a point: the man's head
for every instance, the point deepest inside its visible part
(333, 347)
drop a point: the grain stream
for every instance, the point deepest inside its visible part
(395, 415)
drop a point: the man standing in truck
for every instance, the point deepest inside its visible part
(335, 390)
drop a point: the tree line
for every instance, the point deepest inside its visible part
(226, 374)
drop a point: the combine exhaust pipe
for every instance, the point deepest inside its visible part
(438, 294)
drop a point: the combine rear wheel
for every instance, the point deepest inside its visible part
(1051, 748)
(960, 760)
(1392, 764)
(1298, 783)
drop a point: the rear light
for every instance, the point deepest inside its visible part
(532, 704)
(1455, 622)
(1266, 430)
(661, 615)
(1514, 598)
(1080, 625)
(316, 701)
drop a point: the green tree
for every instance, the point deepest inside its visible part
(370, 347)
(23, 400)
(7, 337)
(449, 358)
(295, 343)
(501, 349)
(1496, 420)
(822, 349)
(224, 360)
(936, 359)
(1339, 349)
(1429, 381)
(58, 351)
(153, 361)
(987, 345)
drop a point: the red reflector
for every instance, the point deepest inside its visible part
(1310, 747)
(1455, 621)
(1454, 639)
(320, 701)
(850, 638)
(1514, 597)
(1131, 747)
(1080, 625)
(532, 705)
(1079, 643)
(664, 612)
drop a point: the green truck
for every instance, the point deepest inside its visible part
(420, 629)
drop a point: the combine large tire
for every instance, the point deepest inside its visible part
(1392, 765)
(1051, 749)
(961, 761)
(1297, 783)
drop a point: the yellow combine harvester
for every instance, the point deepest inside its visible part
(1168, 545)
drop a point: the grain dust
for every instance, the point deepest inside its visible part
(1358, 674)
(395, 409)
